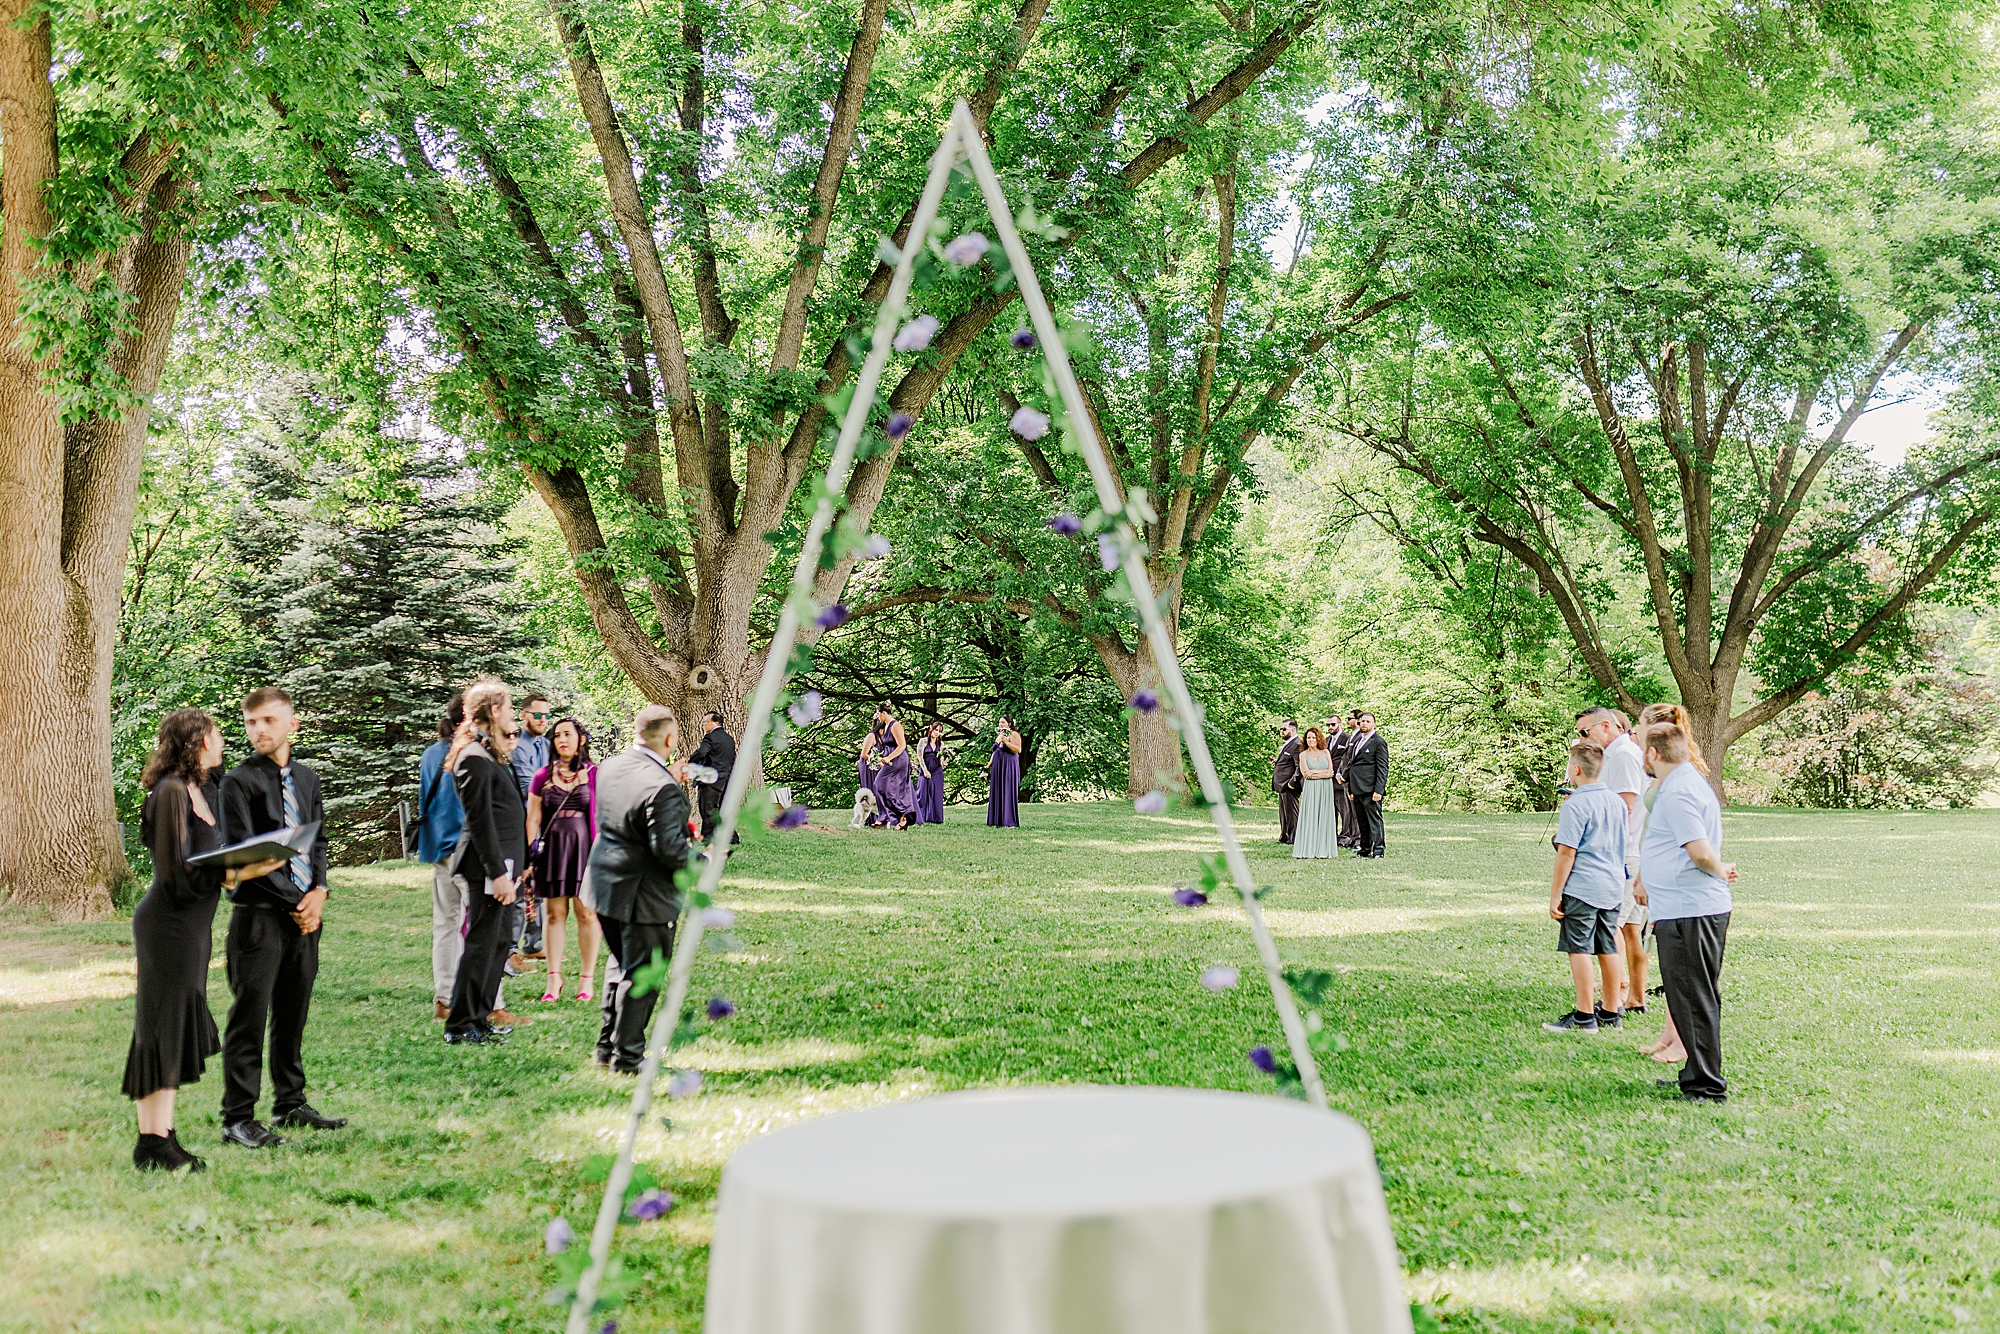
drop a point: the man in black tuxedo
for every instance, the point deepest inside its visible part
(1339, 747)
(1285, 780)
(642, 840)
(272, 950)
(718, 751)
(1367, 784)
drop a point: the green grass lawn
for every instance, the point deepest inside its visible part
(1851, 1183)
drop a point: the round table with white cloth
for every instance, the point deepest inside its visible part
(1079, 1210)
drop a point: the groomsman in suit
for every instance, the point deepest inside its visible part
(1285, 780)
(1340, 743)
(1368, 783)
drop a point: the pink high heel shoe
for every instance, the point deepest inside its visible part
(553, 993)
(583, 994)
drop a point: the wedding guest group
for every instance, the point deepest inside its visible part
(272, 946)
(1355, 771)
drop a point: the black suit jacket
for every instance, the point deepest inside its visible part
(253, 803)
(496, 818)
(1285, 769)
(1368, 766)
(642, 839)
(718, 751)
(1341, 746)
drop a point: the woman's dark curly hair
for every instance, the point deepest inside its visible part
(177, 752)
(581, 760)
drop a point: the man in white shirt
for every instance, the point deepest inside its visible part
(1625, 774)
(1685, 884)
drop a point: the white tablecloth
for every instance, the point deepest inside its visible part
(1058, 1211)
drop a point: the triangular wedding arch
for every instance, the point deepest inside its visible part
(961, 139)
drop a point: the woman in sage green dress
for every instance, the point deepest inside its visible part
(1318, 834)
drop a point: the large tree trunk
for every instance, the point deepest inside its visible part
(67, 496)
(1153, 745)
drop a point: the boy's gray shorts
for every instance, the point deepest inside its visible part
(1586, 930)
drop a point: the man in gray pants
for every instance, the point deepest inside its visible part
(440, 820)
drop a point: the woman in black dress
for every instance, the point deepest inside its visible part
(173, 1034)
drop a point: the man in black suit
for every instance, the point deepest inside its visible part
(1339, 748)
(1367, 783)
(718, 751)
(272, 949)
(1285, 780)
(642, 840)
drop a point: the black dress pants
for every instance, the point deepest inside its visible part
(708, 800)
(482, 966)
(1288, 816)
(1368, 825)
(271, 967)
(1349, 829)
(1691, 967)
(626, 1016)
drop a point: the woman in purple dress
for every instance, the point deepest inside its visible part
(895, 794)
(931, 760)
(1003, 777)
(562, 824)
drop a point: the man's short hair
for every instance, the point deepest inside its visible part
(533, 696)
(713, 717)
(263, 695)
(1354, 715)
(1588, 757)
(1668, 742)
(653, 721)
(1291, 722)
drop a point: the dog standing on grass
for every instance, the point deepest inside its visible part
(864, 808)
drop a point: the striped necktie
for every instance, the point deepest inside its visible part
(301, 865)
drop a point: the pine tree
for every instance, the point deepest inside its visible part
(371, 598)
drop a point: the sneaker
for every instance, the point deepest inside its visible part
(1608, 1018)
(1574, 1022)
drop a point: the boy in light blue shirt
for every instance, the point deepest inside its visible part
(1588, 891)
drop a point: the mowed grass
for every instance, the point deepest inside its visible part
(1852, 1183)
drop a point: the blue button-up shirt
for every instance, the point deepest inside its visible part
(442, 819)
(1593, 822)
(530, 757)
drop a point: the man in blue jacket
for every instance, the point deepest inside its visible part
(440, 820)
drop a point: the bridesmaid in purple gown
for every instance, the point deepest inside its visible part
(1003, 776)
(931, 760)
(894, 793)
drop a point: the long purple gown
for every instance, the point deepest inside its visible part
(1003, 797)
(930, 789)
(894, 793)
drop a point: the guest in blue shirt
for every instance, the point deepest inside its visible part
(440, 820)
(1589, 890)
(1684, 883)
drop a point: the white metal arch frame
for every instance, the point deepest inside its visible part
(961, 136)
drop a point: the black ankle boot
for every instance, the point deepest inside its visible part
(154, 1153)
(186, 1159)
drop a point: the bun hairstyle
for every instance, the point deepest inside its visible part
(177, 749)
(1678, 716)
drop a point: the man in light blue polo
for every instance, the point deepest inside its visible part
(1588, 889)
(439, 821)
(1684, 884)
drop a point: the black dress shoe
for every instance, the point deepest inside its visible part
(187, 1160)
(305, 1117)
(1685, 1096)
(477, 1036)
(251, 1135)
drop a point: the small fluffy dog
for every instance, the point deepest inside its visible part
(864, 808)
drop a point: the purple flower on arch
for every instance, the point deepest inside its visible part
(899, 425)
(1066, 524)
(718, 919)
(809, 709)
(1152, 803)
(1024, 339)
(719, 1007)
(1261, 1058)
(1189, 898)
(916, 335)
(967, 250)
(832, 618)
(878, 547)
(1222, 977)
(792, 817)
(650, 1205)
(558, 1235)
(684, 1084)
(1145, 701)
(1107, 552)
